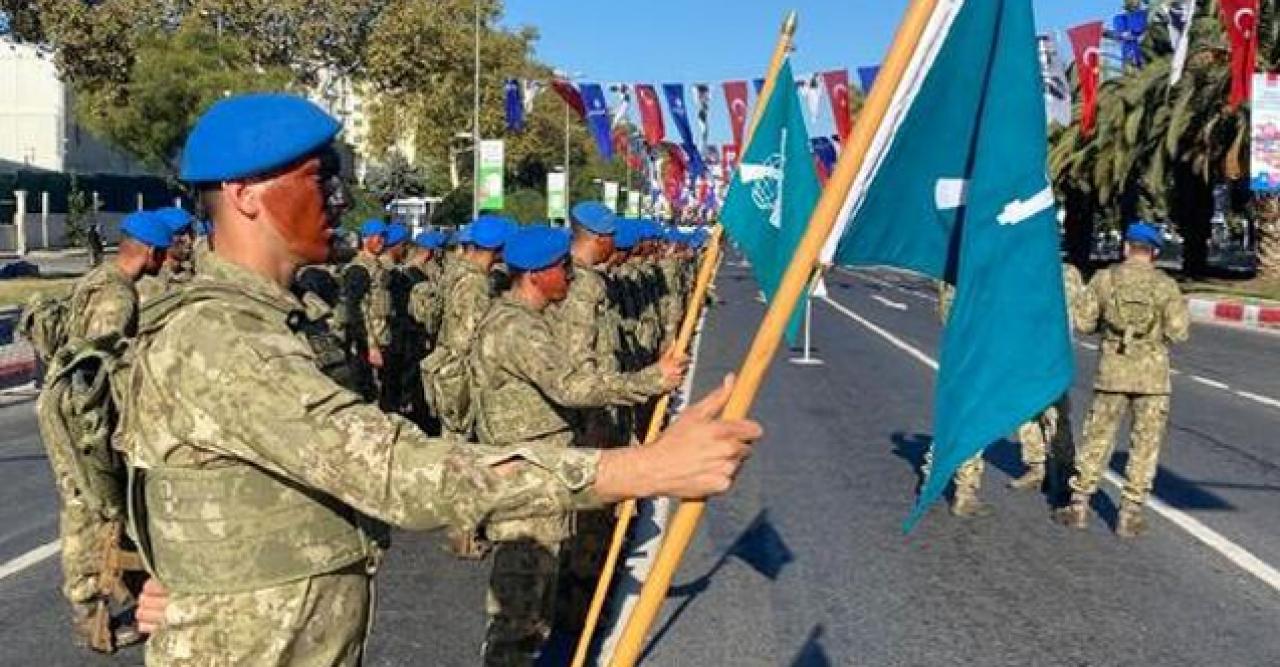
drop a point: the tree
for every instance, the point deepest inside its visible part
(395, 178)
(526, 206)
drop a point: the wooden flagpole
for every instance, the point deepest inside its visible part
(627, 509)
(769, 336)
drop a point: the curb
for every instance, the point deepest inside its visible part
(1249, 315)
(17, 364)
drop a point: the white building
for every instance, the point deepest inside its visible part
(38, 131)
(348, 101)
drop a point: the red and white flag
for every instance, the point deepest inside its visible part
(569, 93)
(728, 161)
(650, 113)
(838, 91)
(1086, 43)
(1240, 19)
(735, 95)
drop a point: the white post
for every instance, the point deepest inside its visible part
(141, 203)
(20, 221)
(44, 220)
(177, 202)
(808, 359)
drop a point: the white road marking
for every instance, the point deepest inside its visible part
(884, 283)
(1089, 346)
(30, 558)
(1265, 400)
(1206, 535)
(1210, 383)
(889, 302)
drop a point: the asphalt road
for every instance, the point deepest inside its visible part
(805, 562)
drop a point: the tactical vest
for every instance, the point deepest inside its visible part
(251, 528)
(1132, 312)
(494, 391)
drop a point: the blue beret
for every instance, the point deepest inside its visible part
(432, 240)
(595, 217)
(373, 227)
(490, 232)
(1144, 233)
(148, 228)
(248, 135)
(176, 218)
(628, 235)
(462, 235)
(536, 248)
(397, 233)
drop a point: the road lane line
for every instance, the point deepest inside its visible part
(33, 557)
(1206, 535)
(1259, 398)
(860, 275)
(1210, 383)
(889, 302)
(1089, 346)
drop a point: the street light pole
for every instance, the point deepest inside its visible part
(567, 189)
(475, 121)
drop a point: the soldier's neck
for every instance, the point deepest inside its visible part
(527, 293)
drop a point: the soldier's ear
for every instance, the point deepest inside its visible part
(243, 197)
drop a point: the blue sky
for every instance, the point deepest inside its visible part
(690, 41)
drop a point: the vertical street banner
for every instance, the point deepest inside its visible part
(598, 120)
(1086, 44)
(611, 195)
(1264, 172)
(557, 203)
(633, 204)
(490, 175)
(837, 82)
(735, 95)
(650, 114)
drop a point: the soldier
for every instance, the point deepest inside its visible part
(671, 302)
(368, 304)
(177, 267)
(587, 331)
(523, 383)
(1051, 430)
(399, 284)
(273, 563)
(1139, 312)
(466, 299)
(421, 321)
(103, 302)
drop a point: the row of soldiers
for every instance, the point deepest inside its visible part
(437, 330)
(1139, 312)
(254, 440)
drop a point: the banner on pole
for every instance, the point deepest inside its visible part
(1265, 145)
(633, 204)
(490, 174)
(611, 195)
(557, 208)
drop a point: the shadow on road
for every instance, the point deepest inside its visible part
(811, 653)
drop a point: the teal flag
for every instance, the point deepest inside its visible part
(957, 190)
(773, 191)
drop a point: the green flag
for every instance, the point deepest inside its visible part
(774, 191)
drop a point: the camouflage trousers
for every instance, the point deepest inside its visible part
(580, 564)
(968, 476)
(521, 601)
(80, 531)
(1150, 418)
(321, 620)
(1050, 431)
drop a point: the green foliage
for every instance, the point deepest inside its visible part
(364, 205)
(526, 206)
(79, 214)
(395, 178)
(455, 210)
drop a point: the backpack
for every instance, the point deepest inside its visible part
(43, 323)
(1132, 310)
(446, 381)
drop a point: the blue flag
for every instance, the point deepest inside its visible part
(515, 106)
(958, 192)
(598, 120)
(773, 191)
(680, 113)
(825, 150)
(1129, 29)
(867, 77)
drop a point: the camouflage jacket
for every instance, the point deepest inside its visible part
(580, 318)
(426, 303)
(150, 287)
(103, 301)
(522, 380)
(367, 298)
(1140, 312)
(465, 302)
(671, 299)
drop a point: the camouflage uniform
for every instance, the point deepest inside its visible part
(1140, 312)
(523, 385)
(466, 300)
(652, 291)
(103, 302)
(671, 301)
(368, 303)
(968, 477)
(258, 499)
(400, 353)
(169, 276)
(629, 299)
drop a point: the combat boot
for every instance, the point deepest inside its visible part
(966, 505)
(91, 626)
(1076, 514)
(1031, 479)
(1131, 521)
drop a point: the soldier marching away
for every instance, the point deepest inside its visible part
(285, 447)
(1140, 313)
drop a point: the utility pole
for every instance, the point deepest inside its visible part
(567, 182)
(475, 122)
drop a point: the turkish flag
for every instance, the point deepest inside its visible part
(728, 160)
(675, 168)
(1240, 19)
(1086, 43)
(735, 94)
(837, 82)
(569, 93)
(650, 113)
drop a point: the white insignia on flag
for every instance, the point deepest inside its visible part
(950, 193)
(1018, 210)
